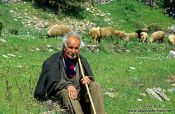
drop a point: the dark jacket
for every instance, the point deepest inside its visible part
(51, 74)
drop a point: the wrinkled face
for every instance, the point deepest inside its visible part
(72, 47)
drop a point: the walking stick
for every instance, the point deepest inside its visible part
(81, 69)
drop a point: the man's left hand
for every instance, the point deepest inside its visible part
(86, 80)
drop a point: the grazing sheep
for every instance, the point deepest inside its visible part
(107, 31)
(171, 39)
(58, 30)
(157, 36)
(121, 34)
(95, 34)
(139, 32)
(131, 36)
(143, 37)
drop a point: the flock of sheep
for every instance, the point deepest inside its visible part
(97, 33)
(142, 34)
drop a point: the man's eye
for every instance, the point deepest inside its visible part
(71, 47)
(76, 48)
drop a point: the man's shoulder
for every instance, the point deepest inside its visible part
(82, 57)
(54, 57)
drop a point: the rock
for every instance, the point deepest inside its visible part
(139, 100)
(12, 55)
(5, 56)
(10, 1)
(92, 48)
(2, 40)
(172, 53)
(103, 1)
(171, 90)
(153, 94)
(160, 92)
(132, 68)
(111, 93)
(143, 94)
(172, 28)
(157, 93)
(171, 79)
(173, 85)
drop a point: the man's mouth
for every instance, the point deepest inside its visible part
(71, 55)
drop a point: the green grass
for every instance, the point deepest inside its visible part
(130, 15)
(112, 65)
(19, 74)
(111, 69)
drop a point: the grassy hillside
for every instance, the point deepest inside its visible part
(130, 15)
(124, 69)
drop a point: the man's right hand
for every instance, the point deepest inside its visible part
(72, 92)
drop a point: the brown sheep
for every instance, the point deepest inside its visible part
(143, 37)
(131, 36)
(107, 31)
(157, 36)
(171, 39)
(58, 30)
(97, 33)
(121, 34)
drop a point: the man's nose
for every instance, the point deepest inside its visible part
(73, 50)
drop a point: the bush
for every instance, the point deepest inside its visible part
(68, 7)
(169, 3)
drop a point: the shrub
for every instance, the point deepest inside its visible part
(68, 7)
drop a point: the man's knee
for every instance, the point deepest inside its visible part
(95, 86)
(62, 93)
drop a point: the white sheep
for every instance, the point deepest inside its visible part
(171, 39)
(157, 36)
(58, 30)
(143, 37)
(139, 31)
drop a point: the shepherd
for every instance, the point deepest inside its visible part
(66, 77)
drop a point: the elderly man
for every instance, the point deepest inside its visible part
(61, 80)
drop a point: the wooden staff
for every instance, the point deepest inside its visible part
(87, 88)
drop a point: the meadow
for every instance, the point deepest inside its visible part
(124, 69)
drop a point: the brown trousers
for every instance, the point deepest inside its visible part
(82, 105)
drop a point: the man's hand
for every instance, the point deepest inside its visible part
(72, 92)
(86, 80)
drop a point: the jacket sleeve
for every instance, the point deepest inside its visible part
(39, 93)
(87, 68)
(49, 77)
